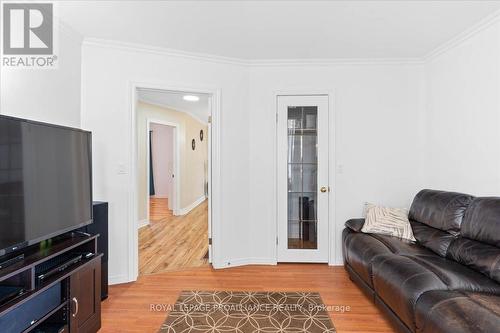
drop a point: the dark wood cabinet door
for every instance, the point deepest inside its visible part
(85, 298)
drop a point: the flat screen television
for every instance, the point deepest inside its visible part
(45, 181)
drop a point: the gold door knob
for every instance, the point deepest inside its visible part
(323, 189)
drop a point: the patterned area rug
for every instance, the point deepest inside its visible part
(248, 312)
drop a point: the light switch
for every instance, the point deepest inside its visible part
(122, 169)
(340, 169)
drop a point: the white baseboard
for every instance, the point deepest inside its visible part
(245, 261)
(185, 210)
(336, 262)
(142, 223)
(118, 279)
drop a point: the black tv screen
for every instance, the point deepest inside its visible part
(45, 181)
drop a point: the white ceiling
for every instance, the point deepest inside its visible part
(280, 29)
(174, 100)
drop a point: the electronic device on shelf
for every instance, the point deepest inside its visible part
(60, 264)
(9, 293)
(11, 261)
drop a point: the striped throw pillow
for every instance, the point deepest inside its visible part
(387, 221)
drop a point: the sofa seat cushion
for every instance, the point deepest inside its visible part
(457, 312)
(399, 281)
(360, 250)
(457, 276)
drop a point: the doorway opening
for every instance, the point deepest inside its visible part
(173, 182)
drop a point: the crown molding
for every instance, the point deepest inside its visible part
(463, 36)
(332, 62)
(132, 47)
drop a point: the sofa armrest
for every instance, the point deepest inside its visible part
(355, 224)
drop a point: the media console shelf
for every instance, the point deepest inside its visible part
(56, 287)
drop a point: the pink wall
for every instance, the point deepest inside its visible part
(162, 150)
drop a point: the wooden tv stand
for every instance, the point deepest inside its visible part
(66, 300)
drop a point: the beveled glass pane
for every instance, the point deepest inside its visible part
(294, 177)
(294, 206)
(309, 150)
(308, 206)
(310, 116)
(309, 235)
(295, 117)
(294, 149)
(294, 235)
(309, 177)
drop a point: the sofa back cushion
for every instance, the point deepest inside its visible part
(431, 238)
(482, 221)
(440, 209)
(479, 244)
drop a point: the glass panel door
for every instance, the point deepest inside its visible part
(302, 183)
(302, 177)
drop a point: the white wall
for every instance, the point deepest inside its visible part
(378, 111)
(398, 128)
(106, 91)
(162, 152)
(378, 126)
(463, 116)
(48, 95)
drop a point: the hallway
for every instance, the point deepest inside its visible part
(171, 243)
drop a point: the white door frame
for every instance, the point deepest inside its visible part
(333, 230)
(176, 164)
(214, 170)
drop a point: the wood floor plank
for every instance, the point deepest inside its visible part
(128, 308)
(173, 242)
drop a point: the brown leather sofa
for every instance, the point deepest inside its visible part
(447, 281)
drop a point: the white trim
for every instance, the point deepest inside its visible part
(118, 279)
(332, 128)
(463, 36)
(142, 223)
(246, 261)
(214, 162)
(176, 148)
(333, 62)
(193, 205)
(335, 230)
(135, 47)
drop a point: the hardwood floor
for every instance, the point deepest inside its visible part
(173, 242)
(158, 210)
(128, 308)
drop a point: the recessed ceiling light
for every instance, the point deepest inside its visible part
(191, 98)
